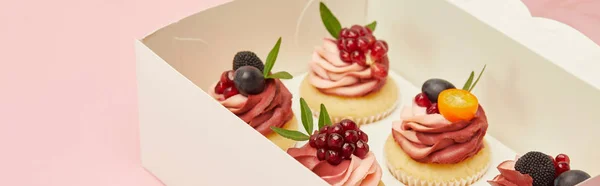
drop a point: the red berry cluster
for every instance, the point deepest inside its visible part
(340, 141)
(562, 163)
(226, 85)
(422, 101)
(357, 43)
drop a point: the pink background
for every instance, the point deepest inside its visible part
(68, 101)
(68, 91)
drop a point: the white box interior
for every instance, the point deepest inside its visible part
(532, 102)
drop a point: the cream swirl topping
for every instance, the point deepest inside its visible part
(331, 75)
(353, 172)
(272, 107)
(430, 138)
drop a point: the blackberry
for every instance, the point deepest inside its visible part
(539, 166)
(247, 58)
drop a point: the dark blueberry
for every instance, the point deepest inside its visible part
(571, 178)
(433, 87)
(249, 80)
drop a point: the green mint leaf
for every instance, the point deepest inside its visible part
(469, 81)
(306, 115)
(324, 119)
(271, 58)
(291, 134)
(372, 26)
(330, 21)
(480, 73)
(280, 75)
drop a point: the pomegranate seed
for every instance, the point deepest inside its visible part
(335, 141)
(359, 58)
(369, 30)
(352, 34)
(359, 29)
(345, 56)
(370, 39)
(321, 154)
(562, 167)
(324, 130)
(385, 44)
(341, 44)
(362, 149)
(313, 140)
(362, 136)
(220, 88)
(351, 45)
(345, 32)
(422, 100)
(433, 109)
(337, 128)
(225, 79)
(363, 44)
(347, 150)
(351, 136)
(379, 70)
(348, 124)
(563, 157)
(378, 50)
(333, 157)
(231, 91)
(321, 141)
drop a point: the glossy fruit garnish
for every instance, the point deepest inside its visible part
(433, 109)
(562, 163)
(433, 87)
(571, 178)
(539, 166)
(344, 138)
(249, 75)
(334, 142)
(422, 100)
(562, 167)
(562, 157)
(457, 105)
(226, 86)
(247, 58)
(357, 44)
(249, 80)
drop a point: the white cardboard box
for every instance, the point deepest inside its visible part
(541, 89)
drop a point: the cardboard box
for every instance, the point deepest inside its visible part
(536, 94)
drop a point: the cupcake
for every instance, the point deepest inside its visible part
(349, 72)
(338, 153)
(538, 169)
(440, 138)
(257, 96)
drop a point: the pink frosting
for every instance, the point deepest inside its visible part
(331, 75)
(430, 138)
(510, 177)
(272, 107)
(353, 172)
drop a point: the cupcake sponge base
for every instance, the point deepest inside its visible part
(413, 173)
(362, 110)
(279, 140)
